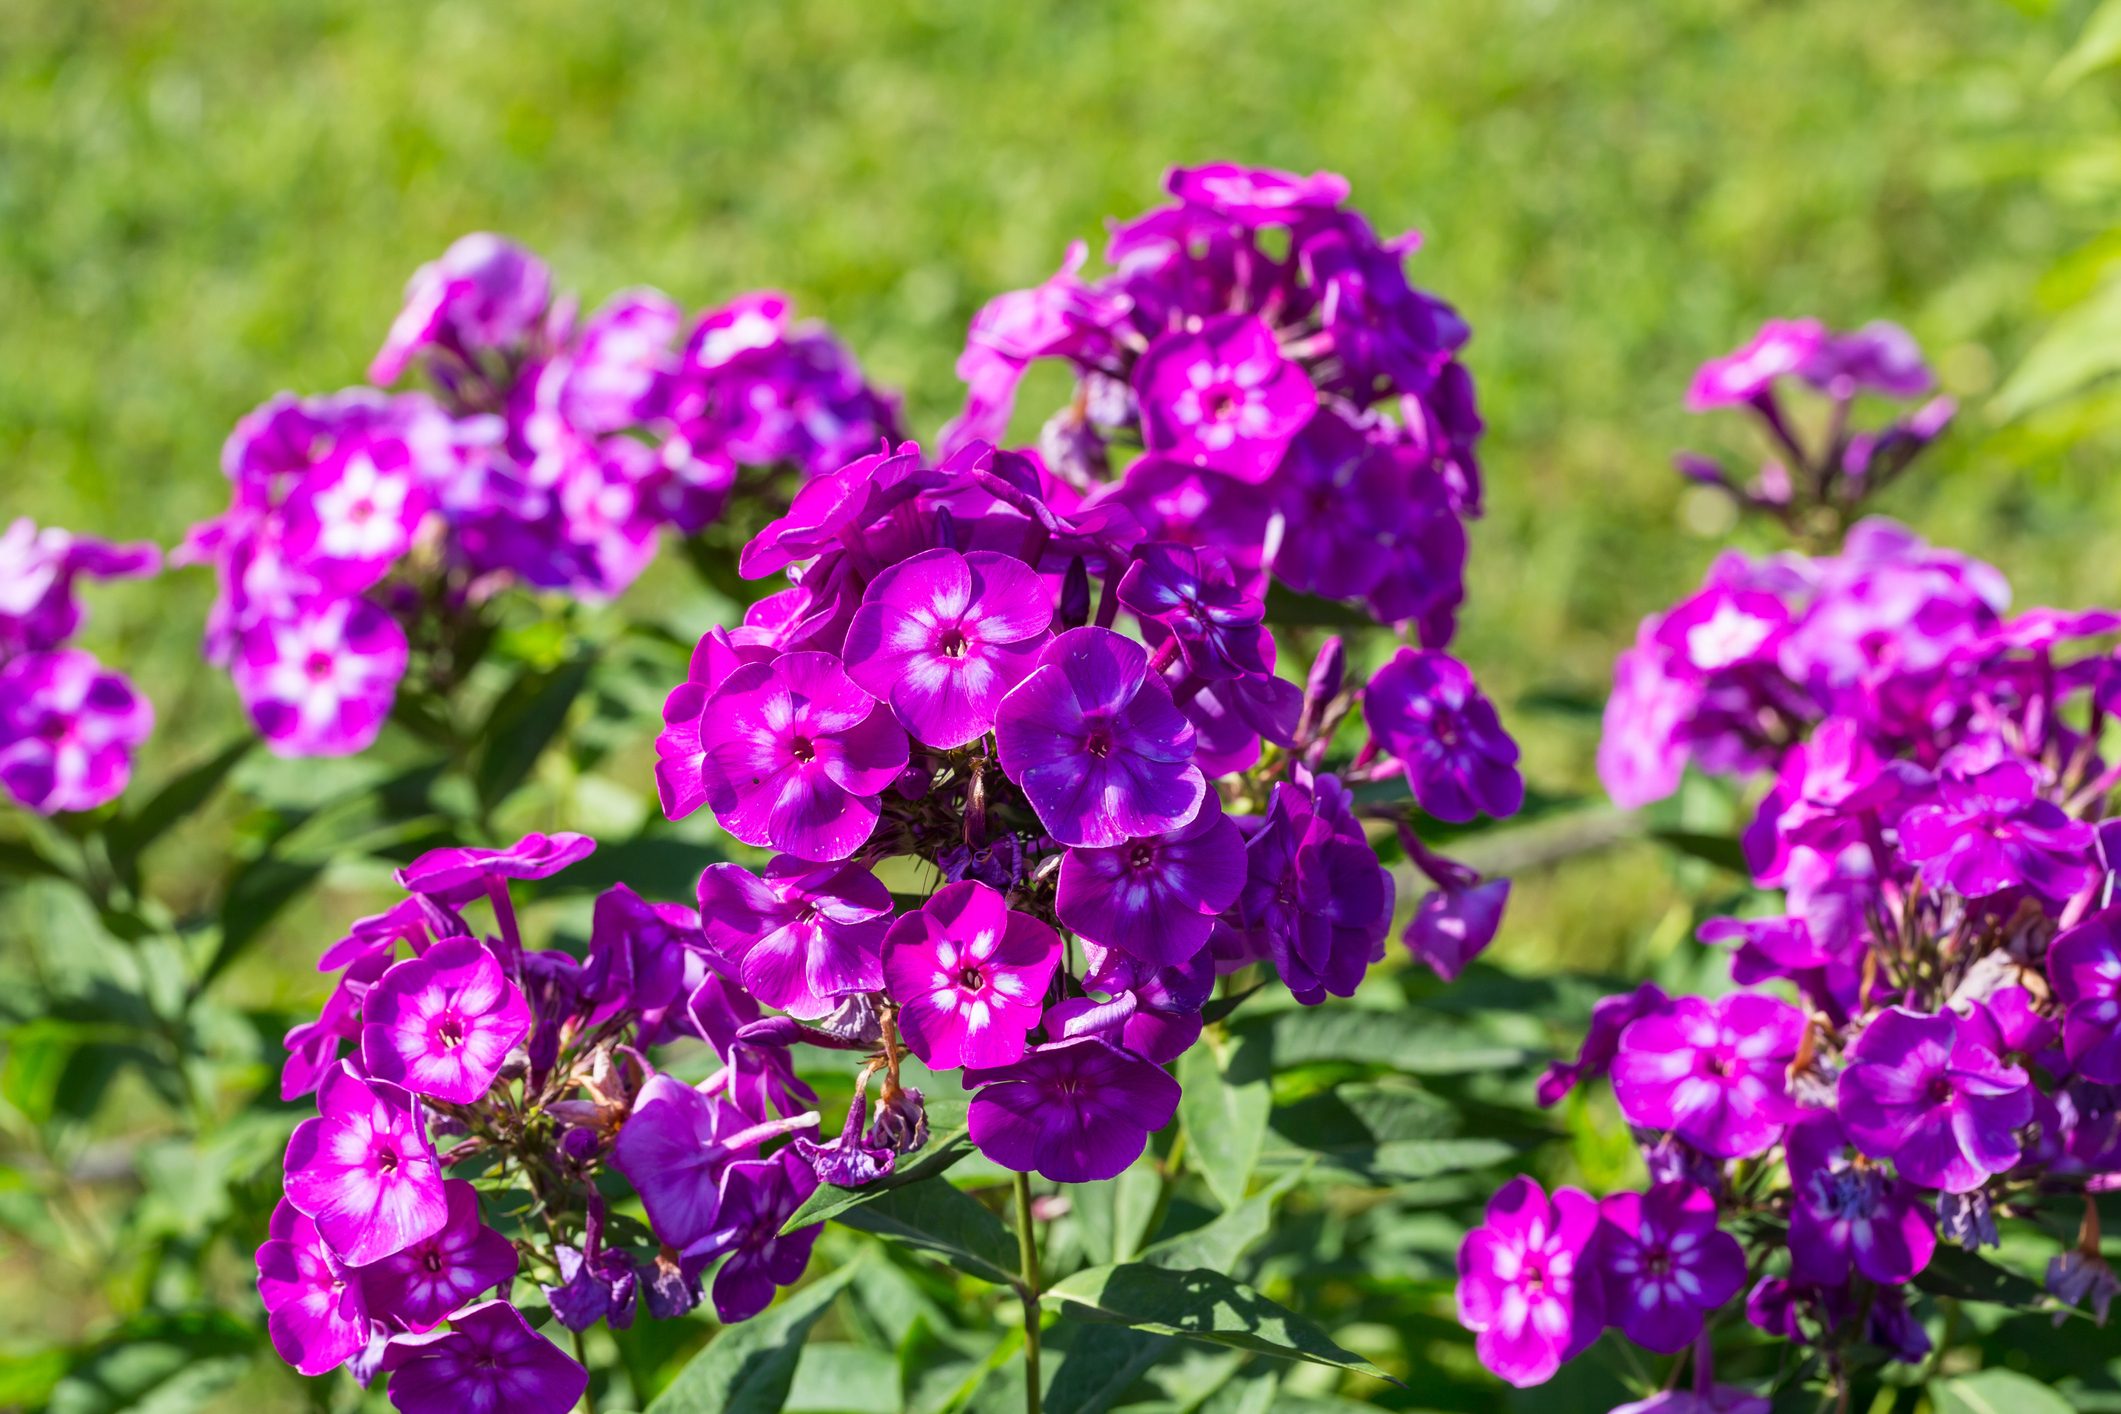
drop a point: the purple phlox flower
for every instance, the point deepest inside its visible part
(670, 1284)
(417, 1288)
(828, 507)
(1155, 898)
(352, 518)
(998, 862)
(1723, 629)
(484, 294)
(1893, 1328)
(942, 637)
(1060, 316)
(1665, 1264)
(678, 747)
(1610, 1016)
(1232, 717)
(416, 921)
(1924, 1092)
(616, 374)
(2084, 967)
(1184, 504)
(1315, 897)
(68, 726)
(1454, 924)
(1075, 1112)
(850, 1160)
(1969, 1219)
(796, 756)
(1881, 358)
(1715, 1073)
(441, 1024)
(596, 1284)
(1642, 747)
(1256, 196)
(674, 1148)
(1826, 787)
(321, 683)
(315, 1313)
(639, 958)
(313, 1047)
(803, 936)
(38, 568)
(1095, 742)
(1527, 1281)
(488, 1362)
(1155, 1012)
(1989, 831)
(1180, 592)
(1222, 396)
(970, 976)
(2078, 1278)
(1847, 1212)
(1351, 508)
(1424, 708)
(757, 1197)
(362, 1167)
(1781, 348)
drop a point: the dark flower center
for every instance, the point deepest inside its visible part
(969, 978)
(1142, 856)
(317, 665)
(803, 749)
(431, 1259)
(1940, 1090)
(1221, 402)
(954, 643)
(1099, 744)
(54, 727)
(1657, 1262)
(451, 1032)
(387, 1160)
(1719, 1066)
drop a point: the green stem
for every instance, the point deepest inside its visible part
(1027, 1252)
(581, 1355)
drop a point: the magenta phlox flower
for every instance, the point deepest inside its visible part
(942, 637)
(803, 936)
(418, 1287)
(1714, 1073)
(1848, 1213)
(641, 958)
(1454, 924)
(675, 1146)
(1190, 595)
(1989, 830)
(970, 976)
(796, 755)
(1155, 898)
(456, 875)
(484, 295)
(1665, 1264)
(758, 1196)
(1610, 1017)
(1222, 396)
(1528, 1283)
(68, 728)
(489, 1361)
(678, 747)
(1926, 1093)
(1424, 708)
(1315, 898)
(1257, 196)
(315, 1312)
(321, 683)
(2084, 966)
(39, 568)
(1096, 743)
(1783, 347)
(352, 518)
(363, 1168)
(442, 1023)
(1077, 1111)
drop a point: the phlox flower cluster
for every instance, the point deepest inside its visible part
(1921, 1044)
(365, 528)
(471, 1091)
(1257, 373)
(68, 724)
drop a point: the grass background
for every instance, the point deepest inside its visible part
(202, 204)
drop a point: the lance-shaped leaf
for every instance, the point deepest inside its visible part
(1219, 1244)
(1404, 1041)
(944, 1223)
(1967, 1276)
(1995, 1392)
(748, 1368)
(176, 801)
(1200, 1305)
(529, 715)
(1223, 1110)
(1383, 1134)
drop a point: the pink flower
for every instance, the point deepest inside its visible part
(1223, 396)
(321, 682)
(420, 1286)
(351, 519)
(942, 637)
(68, 726)
(488, 1362)
(315, 1313)
(1782, 347)
(1714, 1073)
(1525, 1283)
(364, 1170)
(795, 756)
(804, 936)
(970, 977)
(442, 1023)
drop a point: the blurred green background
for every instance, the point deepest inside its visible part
(203, 204)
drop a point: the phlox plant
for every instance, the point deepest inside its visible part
(1917, 1059)
(1027, 768)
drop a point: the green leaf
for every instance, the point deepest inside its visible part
(2080, 348)
(1378, 1135)
(2098, 47)
(1201, 1305)
(1395, 1039)
(1094, 1369)
(1953, 1271)
(748, 1368)
(832, 1377)
(1287, 607)
(157, 1364)
(1995, 1392)
(829, 1202)
(1223, 1111)
(1218, 1245)
(942, 1222)
(21, 860)
(1222, 1007)
(529, 715)
(1114, 1215)
(1710, 849)
(260, 890)
(180, 798)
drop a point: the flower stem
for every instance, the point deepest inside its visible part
(1027, 1252)
(581, 1355)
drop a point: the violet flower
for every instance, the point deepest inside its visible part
(489, 1361)
(1665, 1264)
(1155, 898)
(418, 1287)
(1989, 831)
(1848, 1213)
(68, 727)
(1096, 744)
(1181, 592)
(363, 1169)
(441, 1024)
(1527, 1283)
(1453, 925)
(970, 976)
(2084, 966)
(315, 1311)
(758, 1196)
(321, 683)
(674, 1148)
(1424, 709)
(1924, 1092)
(803, 936)
(1078, 1111)
(1222, 396)
(1714, 1073)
